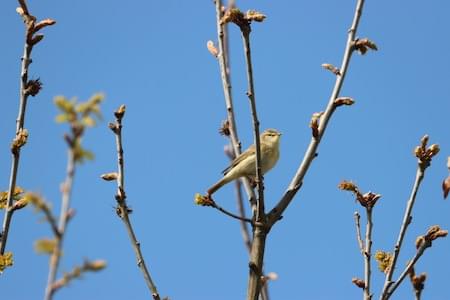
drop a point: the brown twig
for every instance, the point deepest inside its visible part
(224, 72)
(27, 88)
(358, 232)
(241, 209)
(275, 214)
(122, 208)
(422, 243)
(88, 266)
(259, 231)
(230, 214)
(368, 254)
(424, 159)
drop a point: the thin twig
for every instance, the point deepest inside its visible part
(260, 211)
(406, 221)
(66, 190)
(405, 272)
(224, 67)
(275, 214)
(240, 205)
(51, 220)
(122, 209)
(27, 88)
(244, 228)
(367, 254)
(77, 272)
(358, 232)
(230, 214)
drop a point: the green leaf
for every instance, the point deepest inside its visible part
(61, 118)
(6, 260)
(45, 246)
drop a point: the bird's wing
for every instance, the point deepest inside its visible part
(241, 157)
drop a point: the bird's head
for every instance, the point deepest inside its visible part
(271, 136)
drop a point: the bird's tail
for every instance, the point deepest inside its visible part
(217, 186)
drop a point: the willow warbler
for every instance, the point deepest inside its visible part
(245, 163)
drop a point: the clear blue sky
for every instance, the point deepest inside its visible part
(151, 55)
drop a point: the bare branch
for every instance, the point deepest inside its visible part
(122, 208)
(358, 232)
(424, 156)
(275, 214)
(367, 254)
(77, 272)
(422, 243)
(64, 216)
(240, 204)
(230, 214)
(224, 72)
(27, 88)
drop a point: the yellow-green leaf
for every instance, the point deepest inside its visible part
(61, 118)
(6, 260)
(45, 246)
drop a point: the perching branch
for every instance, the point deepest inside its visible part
(275, 214)
(122, 208)
(224, 67)
(424, 156)
(230, 214)
(257, 205)
(27, 88)
(208, 201)
(259, 231)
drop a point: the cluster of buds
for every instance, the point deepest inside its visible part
(362, 45)
(433, 233)
(424, 153)
(33, 87)
(6, 260)
(384, 260)
(418, 281)
(234, 15)
(16, 195)
(20, 140)
(212, 48)
(446, 182)
(225, 128)
(331, 68)
(367, 200)
(344, 101)
(314, 123)
(359, 282)
(203, 200)
(33, 37)
(269, 276)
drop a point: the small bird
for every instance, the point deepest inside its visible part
(245, 163)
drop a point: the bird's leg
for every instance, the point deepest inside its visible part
(252, 181)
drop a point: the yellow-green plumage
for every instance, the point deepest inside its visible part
(245, 163)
